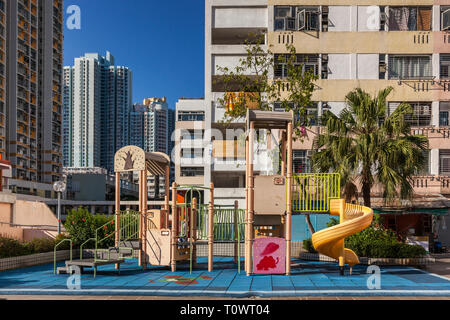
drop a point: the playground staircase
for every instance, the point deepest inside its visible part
(127, 244)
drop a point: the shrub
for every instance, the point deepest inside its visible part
(42, 245)
(13, 248)
(378, 242)
(308, 246)
(80, 225)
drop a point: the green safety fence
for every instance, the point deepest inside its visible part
(312, 192)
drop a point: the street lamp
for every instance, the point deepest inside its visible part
(59, 187)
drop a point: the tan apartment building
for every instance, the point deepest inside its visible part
(347, 44)
(31, 58)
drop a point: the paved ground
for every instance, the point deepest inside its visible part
(315, 280)
(442, 265)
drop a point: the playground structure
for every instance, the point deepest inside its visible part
(171, 235)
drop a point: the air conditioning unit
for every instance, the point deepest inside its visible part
(309, 153)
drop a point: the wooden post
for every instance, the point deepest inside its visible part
(246, 202)
(251, 200)
(173, 263)
(117, 209)
(341, 258)
(167, 191)
(141, 209)
(211, 227)
(289, 198)
(144, 204)
(235, 220)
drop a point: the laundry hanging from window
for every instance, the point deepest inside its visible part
(410, 18)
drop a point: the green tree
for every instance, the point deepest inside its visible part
(364, 144)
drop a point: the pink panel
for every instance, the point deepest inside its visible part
(269, 256)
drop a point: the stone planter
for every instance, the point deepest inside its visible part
(376, 261)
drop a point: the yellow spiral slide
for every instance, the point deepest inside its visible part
(330, 241)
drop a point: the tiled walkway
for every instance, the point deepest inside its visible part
(307, 279)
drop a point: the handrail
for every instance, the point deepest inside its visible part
(54, 252)
(128, 225)
(81, 247)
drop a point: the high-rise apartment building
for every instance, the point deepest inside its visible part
(31, 49)
(97, 105)
(151, 127)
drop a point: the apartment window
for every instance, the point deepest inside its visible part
(191, 115)
(309, 63)
(192, 171)
(410, 67)
(444, 162)
(191, 134)
(421, 116)
(192, 153)
(445, 66)
(410, 18)
(291, 18)
(301, 161)
(445, 18)
(425, 170)
(444, 109)
(309, 116)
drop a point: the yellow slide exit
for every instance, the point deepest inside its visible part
(330, 241)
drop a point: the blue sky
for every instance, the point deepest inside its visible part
(161, 41)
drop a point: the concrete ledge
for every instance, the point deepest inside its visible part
(376, 261)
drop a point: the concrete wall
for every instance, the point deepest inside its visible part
(33, 219)
(239, 17)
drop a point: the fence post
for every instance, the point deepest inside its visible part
(236, 207)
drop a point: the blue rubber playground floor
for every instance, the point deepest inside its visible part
(307, 279)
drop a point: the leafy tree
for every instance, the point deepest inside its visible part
(364, 144)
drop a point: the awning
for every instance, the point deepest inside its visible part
(5, 165)
(432, 211)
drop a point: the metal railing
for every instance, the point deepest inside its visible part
(312, 192)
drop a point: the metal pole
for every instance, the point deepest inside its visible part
(59, 212)
(236, 207)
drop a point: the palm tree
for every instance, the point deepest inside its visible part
(364, 143)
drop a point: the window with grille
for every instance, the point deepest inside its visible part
(445, 18)
(301, 18)
(444, 109)
(192, 153)
(410, 18)
(444, 162)
(301, 161)
(444, 66)
(192, 171)
(426, 168)
(410, 67)
(191, 115)
(421, 116)
(309, 63)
